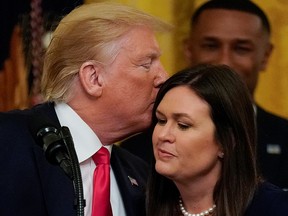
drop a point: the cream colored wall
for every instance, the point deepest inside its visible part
(272, 91)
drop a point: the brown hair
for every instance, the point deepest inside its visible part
(233, 116)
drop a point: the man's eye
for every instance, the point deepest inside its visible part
(242, 50)
(146, 66)
(209, 46)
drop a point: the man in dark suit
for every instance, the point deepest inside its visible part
(237, 34)
(32, 186)
(101, 58)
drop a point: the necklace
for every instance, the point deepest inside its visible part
(204, 213)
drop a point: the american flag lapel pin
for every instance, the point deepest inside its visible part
(133, 181)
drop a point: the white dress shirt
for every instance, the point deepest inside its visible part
(86, 144)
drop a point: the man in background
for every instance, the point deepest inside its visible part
(237, 34)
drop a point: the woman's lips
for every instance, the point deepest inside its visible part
(164, 154)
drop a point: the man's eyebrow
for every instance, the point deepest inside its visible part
(152, 55)
(210, 38)
(243, 41)
(238, 40)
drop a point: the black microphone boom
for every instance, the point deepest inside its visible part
(78, 184)
(59, 149)
(49, 138)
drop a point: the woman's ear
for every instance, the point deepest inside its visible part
(91, 78)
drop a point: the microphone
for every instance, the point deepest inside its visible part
(58, 147)
(48, 136)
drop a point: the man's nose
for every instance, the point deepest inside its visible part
(224, 57)
(162, 76)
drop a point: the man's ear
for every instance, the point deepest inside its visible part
(91, 78)
(266, 56)
(186, 49)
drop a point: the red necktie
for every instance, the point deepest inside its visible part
(101, 184)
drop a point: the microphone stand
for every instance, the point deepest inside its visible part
(79, 201)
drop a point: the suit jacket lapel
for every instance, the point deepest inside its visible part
(131, 185)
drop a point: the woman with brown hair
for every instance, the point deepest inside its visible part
(204, 146)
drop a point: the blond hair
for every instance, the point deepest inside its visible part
(89, 32)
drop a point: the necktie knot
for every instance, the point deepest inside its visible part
(102, 156)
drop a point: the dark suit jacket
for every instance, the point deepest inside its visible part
(269, 200)
(29, 185)
(272, 147)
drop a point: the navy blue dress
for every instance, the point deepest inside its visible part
(269, 200)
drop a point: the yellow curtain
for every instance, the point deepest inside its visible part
(272, 90)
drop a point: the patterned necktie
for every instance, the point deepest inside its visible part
(101, 184)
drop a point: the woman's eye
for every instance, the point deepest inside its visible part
(161, 121)
(183, 126)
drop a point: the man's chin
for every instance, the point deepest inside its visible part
(145, 123)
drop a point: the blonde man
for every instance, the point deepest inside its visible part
(101, 76)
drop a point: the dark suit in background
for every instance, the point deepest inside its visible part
(31, 186)
(272, 147)
(140, 145)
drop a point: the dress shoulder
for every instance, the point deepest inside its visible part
(269, 200)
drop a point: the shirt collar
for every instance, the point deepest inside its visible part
(86, 142)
